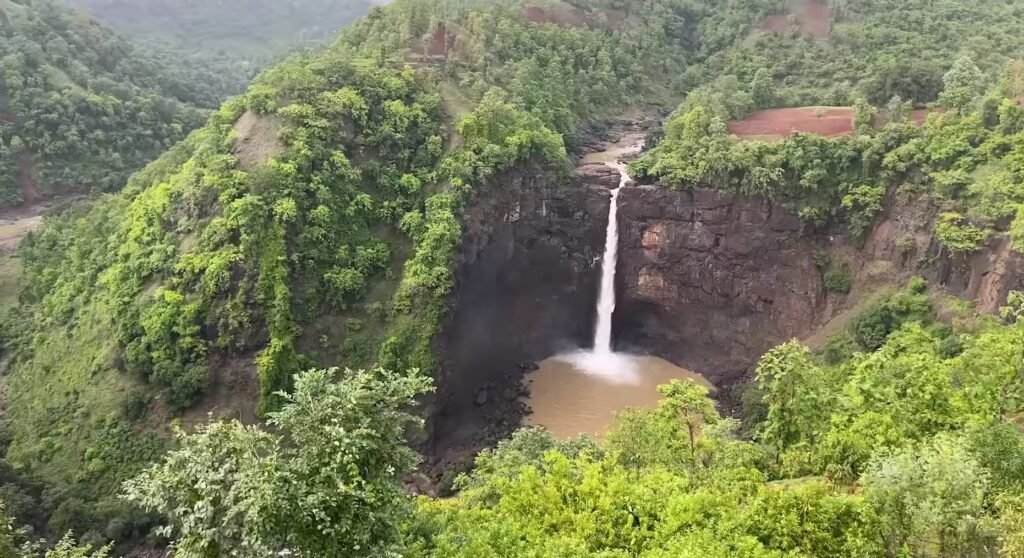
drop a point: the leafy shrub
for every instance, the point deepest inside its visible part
(838, 348)
(862, 204)
(872, 327)
(838, 280)
(954, 233)
(906, 244)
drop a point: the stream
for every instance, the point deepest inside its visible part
(580, 392)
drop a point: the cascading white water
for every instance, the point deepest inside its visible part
(579, 392)
(619, 368)
(606, 296)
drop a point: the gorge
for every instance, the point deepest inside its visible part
(419, 261)
(704, 281)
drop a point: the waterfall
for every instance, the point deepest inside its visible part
(606, 296)
(601, 361)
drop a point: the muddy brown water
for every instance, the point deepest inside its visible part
(580, 393)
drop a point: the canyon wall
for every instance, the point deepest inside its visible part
(710, 281)
(526, 283)
(705, 279)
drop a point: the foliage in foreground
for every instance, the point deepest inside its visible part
(893, 452)
(13, 544)
(326, 482)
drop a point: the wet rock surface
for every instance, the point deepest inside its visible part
(710, 281)
(598, 174)
(526, 284)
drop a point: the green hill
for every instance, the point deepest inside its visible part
(314, 222)
(235, 39)
(249, 28)
(82, 108)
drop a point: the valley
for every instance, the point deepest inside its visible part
(526, 279)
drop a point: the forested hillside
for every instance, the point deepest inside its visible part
(314, 222)
(236, 37)
(82, 108)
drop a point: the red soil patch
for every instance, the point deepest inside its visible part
(814, 17)
(777, 124)
(562, 16)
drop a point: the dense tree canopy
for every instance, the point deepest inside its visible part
(966, 159)
(314, 221)
(885, 453)
(226, 42)
(82, 108)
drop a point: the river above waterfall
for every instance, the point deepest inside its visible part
(579, 393)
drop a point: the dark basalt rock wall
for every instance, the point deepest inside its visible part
(710, 281)
(526, 285)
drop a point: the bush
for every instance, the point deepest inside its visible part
(838, 281)
(917, 285)
(822, 259)
(906, 244)
(951, 346)
(872, 327)
(838, 348)
(955, 233)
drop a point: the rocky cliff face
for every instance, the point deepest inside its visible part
(707, 280)
(527, 282)
(710, 281)
(901, 241)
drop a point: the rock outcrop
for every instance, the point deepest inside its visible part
(598, 174)
(710, 281)
(526, 285)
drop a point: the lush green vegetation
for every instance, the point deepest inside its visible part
(876, 49)
(314, 222)
(897, 451)
(279, 257)
(967, 159)
(80, 108)
(328, 483)
(228, 42)
(251, 30)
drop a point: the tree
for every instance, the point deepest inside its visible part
(932, 498)
(762, 89)
(65, 548)
(687, 402)
(863, 116)
(964, 84)
(794, 394)
(327, 482)
(1011, 520)
(671, 435)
